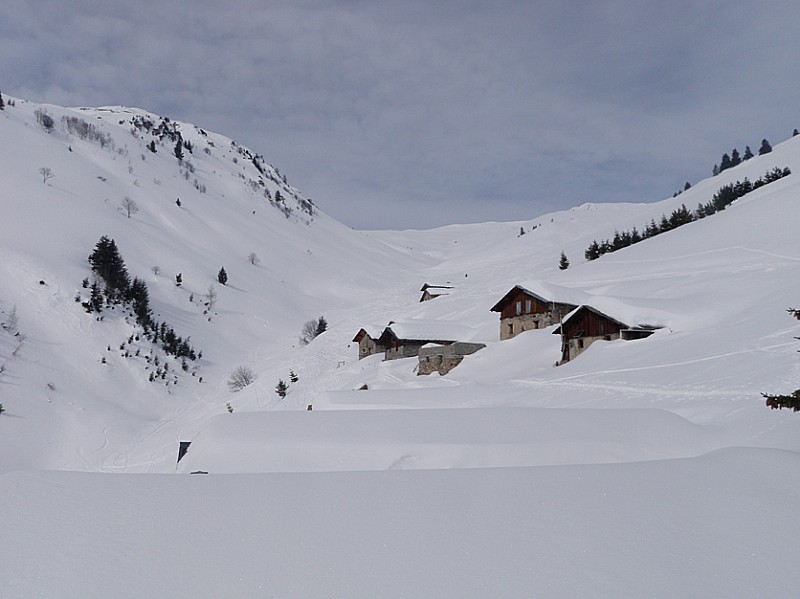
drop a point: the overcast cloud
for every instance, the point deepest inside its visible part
(418, 114)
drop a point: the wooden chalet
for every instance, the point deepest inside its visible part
(522, 310)
(367, 344)
(430, 292)
(586, 325)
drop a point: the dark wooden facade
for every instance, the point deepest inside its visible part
(583, 327)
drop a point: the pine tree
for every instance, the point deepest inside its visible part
(140, 298)
(152, 146)
(281, 388)
(715, 170)
(795, 132)
(748, 154)
(687, 186)
(293, 377)
(222, 276)
(735, 159)
(592, 252)
(3, 104)
(95, 299)
(765, 148)
(725, 163)
(563, 263)
(179, 149)
(792, 400)
(109, 266)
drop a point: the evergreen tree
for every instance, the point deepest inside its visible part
(680, 217)
(179, 149)
(792, 400)
(563, 263)
(152, 146)
(293, 377)
(748, 154)
(281, 388)
(222, 276)
(178, 279)
(109, 266)
(3, 104)
(765, 148)
(793, 132)
(735, 157)
(725, 163)
(96, 299)
(715, 171)
(592, 252)
(140, 298)
(687, 186)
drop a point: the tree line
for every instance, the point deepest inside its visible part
(723, 198)
(118, 289)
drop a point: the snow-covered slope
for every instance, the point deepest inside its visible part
(644, 468)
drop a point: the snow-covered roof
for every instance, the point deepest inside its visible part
(431, 330)
(545, 292)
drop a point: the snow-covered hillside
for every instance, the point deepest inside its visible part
(641, 468)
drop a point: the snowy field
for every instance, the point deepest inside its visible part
(648, 468)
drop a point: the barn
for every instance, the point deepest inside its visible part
(430, 292)
(585, 325)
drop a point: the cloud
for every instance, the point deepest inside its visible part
(422, 114)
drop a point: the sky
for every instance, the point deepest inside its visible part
(413, 115)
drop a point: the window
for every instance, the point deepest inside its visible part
(527, 306)
(519, 307)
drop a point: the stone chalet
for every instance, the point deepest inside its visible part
(443, 358)
(430, 292)
(367, 344)
(405, 340)
(522, 310)
(585, 325)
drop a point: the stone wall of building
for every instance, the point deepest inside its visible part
(444, 358)
(511, 327)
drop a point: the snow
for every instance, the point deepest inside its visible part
(641, 468)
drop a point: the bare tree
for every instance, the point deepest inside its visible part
(46, 173)
(312, 329)
(241, 377)
(211, 297)
(156, 269)
(253, 259)
(44, 119)
(129, 205)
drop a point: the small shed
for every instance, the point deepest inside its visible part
(522, 309)
(430, 292)
(443, 358)
(586, 324)
(367, 344)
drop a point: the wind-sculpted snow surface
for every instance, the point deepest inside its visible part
(430, 439)
(708, 526)
(646, 468)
